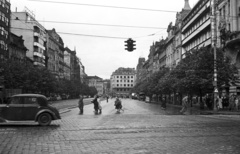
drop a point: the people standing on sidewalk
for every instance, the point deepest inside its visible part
(80, 104)
(208, 101)
(236, 103)
(225, 101)
(231, 102)
(164, 104)
(184, 104)
(95, 104)
(219, 102)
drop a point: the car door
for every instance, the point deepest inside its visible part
(13, 110)
(3, 108)
(31, 107)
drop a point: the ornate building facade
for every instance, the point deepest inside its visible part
(97, 82)
(55, 53)
(17, 50)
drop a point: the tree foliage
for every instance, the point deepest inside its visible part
(19, 75)
(194, 74)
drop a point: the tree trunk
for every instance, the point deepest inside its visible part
(201, 101)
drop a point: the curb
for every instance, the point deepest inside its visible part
(64, 111)
(201, 111)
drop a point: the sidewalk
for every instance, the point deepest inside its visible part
(196, 109)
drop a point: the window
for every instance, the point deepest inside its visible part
(30, 100)
(15, 100)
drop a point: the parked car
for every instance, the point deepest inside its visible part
(142, 96)
(28, 107)
(134, 96)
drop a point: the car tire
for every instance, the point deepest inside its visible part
(44, 119)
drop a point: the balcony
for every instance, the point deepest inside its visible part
(232, 39)
(36, 34)
(38, 54)
(39, 45)
(36, 63)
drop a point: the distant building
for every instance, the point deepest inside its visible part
(140, 70)
(68, 54)
(83, 75)
(97, 82)
(106, 86)
(34, 35)
(122, 81)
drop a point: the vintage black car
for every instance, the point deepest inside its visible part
(28, 107)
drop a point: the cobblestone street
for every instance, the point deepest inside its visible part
(140, 128)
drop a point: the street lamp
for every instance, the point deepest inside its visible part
(214, 42)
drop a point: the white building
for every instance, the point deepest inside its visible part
(34, 35)
(196, 27)
(122, 81)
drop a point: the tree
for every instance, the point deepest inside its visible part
(194, 74)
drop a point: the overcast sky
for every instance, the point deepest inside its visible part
(101, 48)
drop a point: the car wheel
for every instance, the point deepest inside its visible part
(44, 119)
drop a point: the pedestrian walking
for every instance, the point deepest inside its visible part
(80, 104)
(184, 104)
(100, 99)
(118, 104)
(95, 104)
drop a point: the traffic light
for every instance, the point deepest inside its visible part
(130, 45)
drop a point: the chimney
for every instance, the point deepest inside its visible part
(186, 5)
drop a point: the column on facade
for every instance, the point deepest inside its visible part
(234, 14)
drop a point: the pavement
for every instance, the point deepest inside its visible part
(172, 109)
(141, 128)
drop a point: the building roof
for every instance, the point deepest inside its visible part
(93, 77)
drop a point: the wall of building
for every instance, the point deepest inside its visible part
(122, 81)
(23, 24)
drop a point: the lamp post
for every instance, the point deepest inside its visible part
(214, 43)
